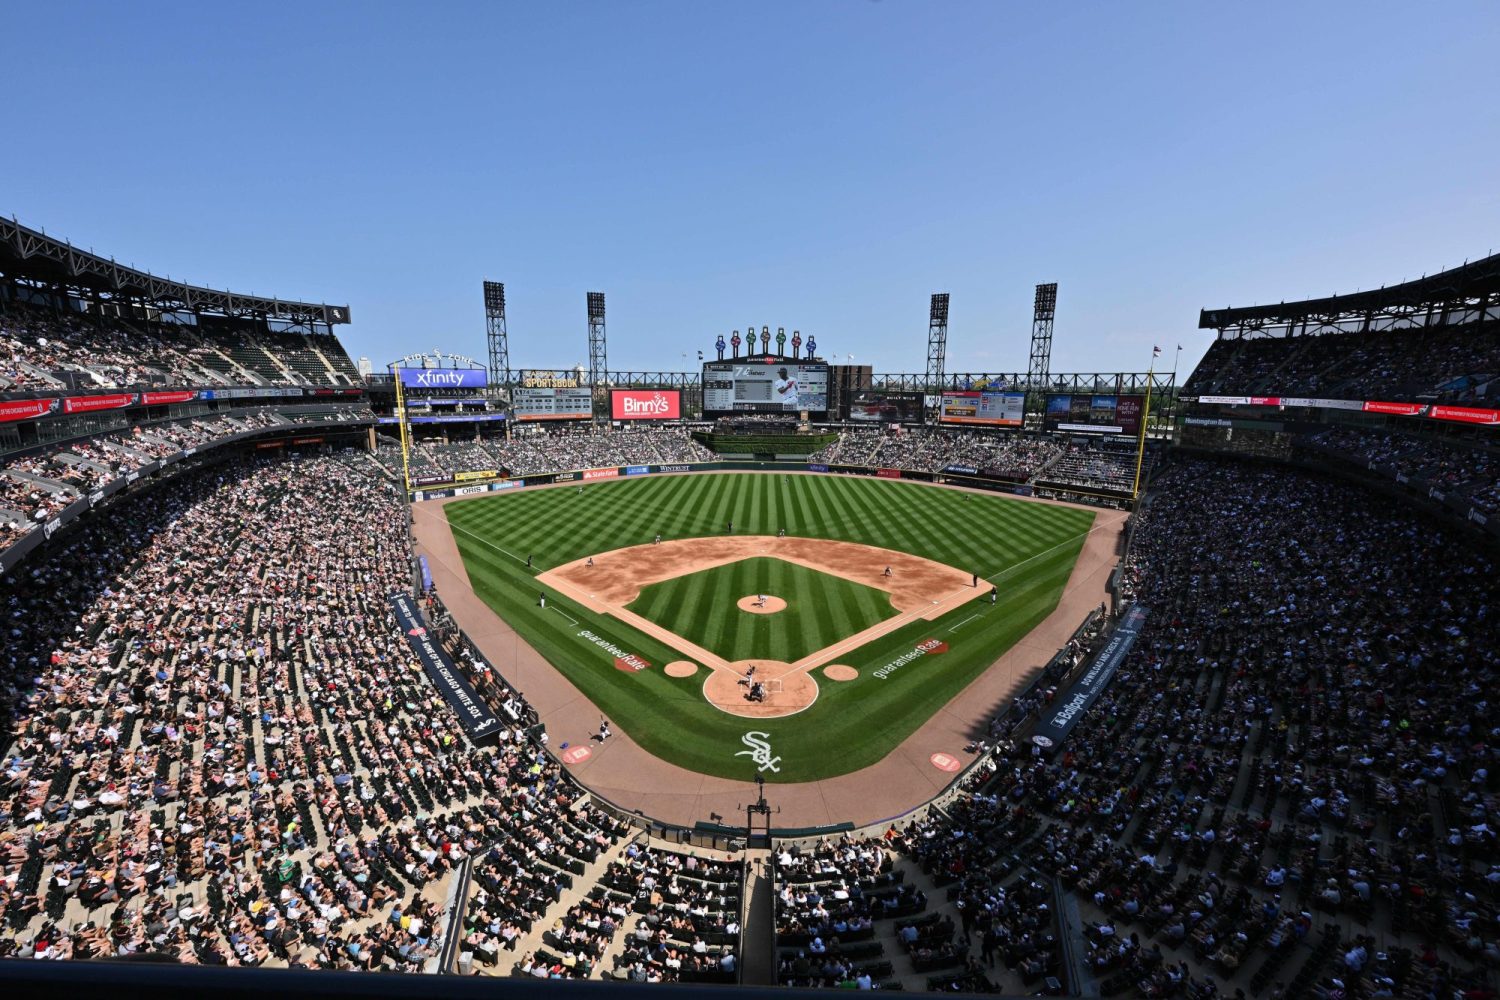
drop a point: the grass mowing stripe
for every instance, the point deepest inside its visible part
(851, 724)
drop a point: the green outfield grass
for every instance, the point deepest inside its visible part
(1027, 549)
(821, 609)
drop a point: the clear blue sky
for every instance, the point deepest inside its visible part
(821, 164)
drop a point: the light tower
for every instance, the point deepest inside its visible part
(1039, 371)
(494, 329)
(598, 365)
(937, 342)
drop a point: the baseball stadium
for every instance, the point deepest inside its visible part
(757, 670)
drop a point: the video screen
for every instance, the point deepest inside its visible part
(552, 404)
(877, 407)
(1094, 414)
(781, 386)
(983, 408)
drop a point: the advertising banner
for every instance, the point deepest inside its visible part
(478, 721)
(982, 407)
(674, 468)
(552, 404)
(1399, 409)
(1069, 707)
(158, 398)
(637, 470)
(962, 470)
(875, 406)
(600, 473)
(888, 473)
(645, 404)
(27, 409)
(88, 404)
(817, 467)
(443, 378)
(464, 477)
(1466, 414)
(1093, 414)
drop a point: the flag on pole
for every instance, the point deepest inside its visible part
(1155, 351)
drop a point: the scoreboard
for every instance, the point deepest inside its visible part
(731, 387)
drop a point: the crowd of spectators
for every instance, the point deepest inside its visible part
(1456, 467)
(37, 485)
(217, 746)
(1296, 757)
(831, 899)
(1003, 453)
(685, 910)
(1110, 469)
(41, 350)
(1457, 364)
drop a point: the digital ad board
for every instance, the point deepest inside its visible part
(645, 404)
(983, 408)
(552, 404)
(768, 385)
(1094, 414)
(443, 378)
(878, 407)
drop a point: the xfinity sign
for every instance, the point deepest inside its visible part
(444, 378)
(645, 404)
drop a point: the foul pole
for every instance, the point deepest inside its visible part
(1140, 454)
(401, 423)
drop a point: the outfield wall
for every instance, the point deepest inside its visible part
(971, 478)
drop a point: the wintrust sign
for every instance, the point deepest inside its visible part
(645, 404)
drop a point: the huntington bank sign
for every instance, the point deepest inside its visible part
(645, 404)
(444, 378)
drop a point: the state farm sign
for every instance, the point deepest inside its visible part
(646, 404)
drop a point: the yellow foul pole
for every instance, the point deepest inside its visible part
(401, 424)
(1140, 454)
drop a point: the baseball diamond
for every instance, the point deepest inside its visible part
(594, 555)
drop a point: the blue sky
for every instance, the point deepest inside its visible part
(822, 165)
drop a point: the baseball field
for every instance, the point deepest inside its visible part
(835, 617)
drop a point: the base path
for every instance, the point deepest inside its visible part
(631, 778)
(919, 589)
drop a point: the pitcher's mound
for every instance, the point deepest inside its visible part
(753, 604)
(680, 668)
(839, 672)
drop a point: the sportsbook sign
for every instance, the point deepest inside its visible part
(645, 404)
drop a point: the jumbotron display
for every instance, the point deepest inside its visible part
(987, 409)
(773, 385)
(552, 404)
(1096, 414)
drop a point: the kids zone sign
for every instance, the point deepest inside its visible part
(645, 404)
(444, 378)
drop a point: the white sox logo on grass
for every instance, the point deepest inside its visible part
(924, 648)
(760, 751)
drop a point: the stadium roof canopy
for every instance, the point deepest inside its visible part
(26, 253)
(1466, 294)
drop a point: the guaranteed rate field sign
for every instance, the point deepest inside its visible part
(863, 606)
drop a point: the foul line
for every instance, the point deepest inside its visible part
(570, 618)
(1047, 552)
(963, 623)
(478, 538)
